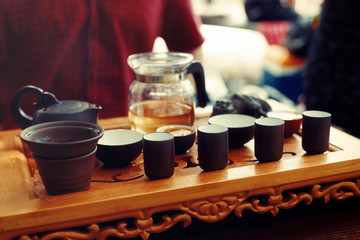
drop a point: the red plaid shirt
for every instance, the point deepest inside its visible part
(78, 49)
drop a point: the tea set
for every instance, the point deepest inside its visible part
(67, 132)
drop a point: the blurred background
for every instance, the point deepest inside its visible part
(243, 55)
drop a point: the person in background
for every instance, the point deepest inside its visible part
(78, 50)
(270, 10)
(332, 76)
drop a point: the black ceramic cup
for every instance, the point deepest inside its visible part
(213, 147)
(159, 155)
(269, 139)
(316, 131)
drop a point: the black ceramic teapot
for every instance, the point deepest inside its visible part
(48, 109)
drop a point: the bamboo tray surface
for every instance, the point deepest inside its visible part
(116, 192)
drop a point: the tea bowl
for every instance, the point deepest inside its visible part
(62, 139)
(184, 136)
(66, 175)
(292, 121)
(119, 147)
(240, 126)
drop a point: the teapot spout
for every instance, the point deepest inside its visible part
(95, 107)
(93, 112)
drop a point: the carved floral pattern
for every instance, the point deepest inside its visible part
(94, 230)
(274, 203)
(210, 210)
(338, 191)
(144, 227)
(214, 209)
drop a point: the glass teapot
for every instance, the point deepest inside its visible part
(162, 94)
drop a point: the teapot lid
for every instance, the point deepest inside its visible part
(68, 106)
(152, 63)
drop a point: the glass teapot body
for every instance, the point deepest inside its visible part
(162, 94)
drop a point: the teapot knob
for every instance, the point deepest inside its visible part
(44, 99)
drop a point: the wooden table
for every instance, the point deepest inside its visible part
(124, 203)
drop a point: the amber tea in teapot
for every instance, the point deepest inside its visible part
(148, 115)
(161, 93)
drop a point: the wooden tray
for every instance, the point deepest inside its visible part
(123, 202)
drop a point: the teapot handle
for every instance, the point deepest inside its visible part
(197, 71)
(44, 99)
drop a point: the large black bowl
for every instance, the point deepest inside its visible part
(241, 127)
(62, 139)
(119, 147)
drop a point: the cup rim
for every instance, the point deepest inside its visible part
(137, 138)
(297, 115)
(269, 122)
(316, 114)
(213, 129)
(250, 120)
(161, 137)
(162, 128)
